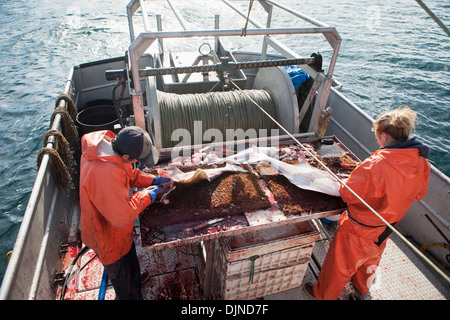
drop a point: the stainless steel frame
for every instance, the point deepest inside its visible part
(144, 40)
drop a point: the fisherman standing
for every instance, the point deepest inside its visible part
(388, 181)
(107, 209)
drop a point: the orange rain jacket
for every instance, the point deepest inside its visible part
(389, 181)
(107, 209)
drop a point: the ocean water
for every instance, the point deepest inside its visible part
(392, 53)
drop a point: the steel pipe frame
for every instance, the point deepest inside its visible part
(145, 40)
(323, 83)
(140, 44)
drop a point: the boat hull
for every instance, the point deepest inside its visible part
(52, 217)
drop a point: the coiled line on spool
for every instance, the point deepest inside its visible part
(215, 110)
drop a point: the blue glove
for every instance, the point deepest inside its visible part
(152, 192)
(159, 180)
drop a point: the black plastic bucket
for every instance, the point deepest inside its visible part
(96, 118)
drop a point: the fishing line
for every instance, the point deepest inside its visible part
(215, 110)
(417, 251)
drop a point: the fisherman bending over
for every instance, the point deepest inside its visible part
(107, 209)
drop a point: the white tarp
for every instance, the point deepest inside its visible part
(302, 174)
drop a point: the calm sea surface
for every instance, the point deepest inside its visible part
(392, 53)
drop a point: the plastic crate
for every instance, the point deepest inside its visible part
(264, 262)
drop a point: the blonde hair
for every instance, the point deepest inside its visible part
(398, 123)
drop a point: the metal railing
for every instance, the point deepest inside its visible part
(141, 43)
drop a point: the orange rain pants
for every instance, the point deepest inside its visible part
(349, 257)
(389, 181)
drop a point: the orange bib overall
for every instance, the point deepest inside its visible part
(389, 181)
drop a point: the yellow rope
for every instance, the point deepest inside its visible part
(439, 245)
(244, 29)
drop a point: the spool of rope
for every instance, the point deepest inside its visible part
(215, 110)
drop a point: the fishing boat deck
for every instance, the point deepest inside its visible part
(401, 275)
(179, 271)
(177, 265)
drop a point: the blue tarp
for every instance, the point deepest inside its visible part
(298, 76)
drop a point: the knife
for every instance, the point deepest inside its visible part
(207, 224)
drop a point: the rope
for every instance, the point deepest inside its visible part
(324, 120)
(63, 148)
(252, 267)
(413, 248)
(439, 245)
(68, 127)
(434, 17)
(59, 169)
(66, 147)
(215, 110)
(70, 105)
(244, 29)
